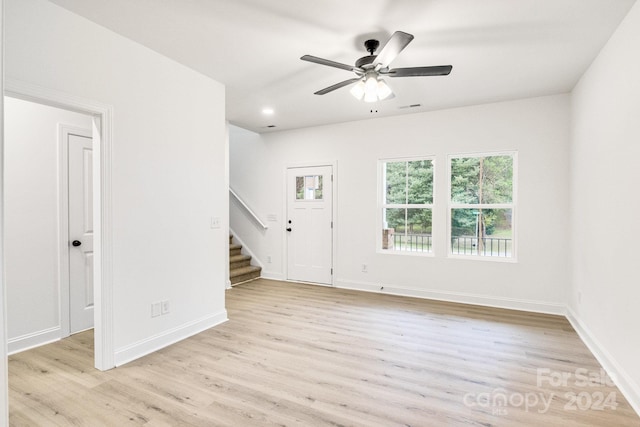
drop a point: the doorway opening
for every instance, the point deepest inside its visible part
(48, 199)
(51, 326)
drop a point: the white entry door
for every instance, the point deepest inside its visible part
(309, 224)
(80, 163)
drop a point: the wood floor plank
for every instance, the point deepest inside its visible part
(301, 355)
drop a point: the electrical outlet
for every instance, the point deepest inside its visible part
(364, 268)
(165, 306)
(215, 222)
(155, 309)
(269, 259)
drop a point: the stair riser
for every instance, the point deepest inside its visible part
(245, 277)
(240, 267)
(239, 264)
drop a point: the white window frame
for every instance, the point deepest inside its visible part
(513, 206)
(382, 206)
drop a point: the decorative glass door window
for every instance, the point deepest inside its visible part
(309, 187)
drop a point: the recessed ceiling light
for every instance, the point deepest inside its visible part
(268, 111)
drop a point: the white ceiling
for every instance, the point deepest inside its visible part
(499, 49)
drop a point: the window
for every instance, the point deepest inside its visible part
(309, 187)
(407, 205)
(482, 205)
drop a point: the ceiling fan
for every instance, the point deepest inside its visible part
(369, 69)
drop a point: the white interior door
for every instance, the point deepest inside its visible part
(80, 163)
(309, 224)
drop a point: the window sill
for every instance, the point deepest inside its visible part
(511, 260)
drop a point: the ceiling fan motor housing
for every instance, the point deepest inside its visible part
(366, 60)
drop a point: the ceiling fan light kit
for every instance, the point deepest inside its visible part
(369, 86)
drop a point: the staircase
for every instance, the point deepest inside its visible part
(240, 268)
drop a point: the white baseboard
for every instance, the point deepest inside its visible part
(629, 388)
(458, 297)
(32, 340)
(156, 342)
(271, 275)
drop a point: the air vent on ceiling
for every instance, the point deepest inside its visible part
(410, 106)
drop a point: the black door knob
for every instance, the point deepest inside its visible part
(289, 229)
(76, 243)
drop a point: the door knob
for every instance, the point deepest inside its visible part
(76, 243)
(288, 228)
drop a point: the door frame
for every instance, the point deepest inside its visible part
(102, 131)
(334, 199)
(64, 278)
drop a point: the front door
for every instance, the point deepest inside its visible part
(309, 224)
(80, 232)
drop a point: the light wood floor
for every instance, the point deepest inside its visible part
(312, 356)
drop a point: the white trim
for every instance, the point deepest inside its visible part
(271, 275)
(34, 339)
(629, 388)
(166, 338)
(481, 154)
(483, 258)
(64, 285)
(4, 373)
(458, 297)
(102, 140)
(227, 278)
(385, 252)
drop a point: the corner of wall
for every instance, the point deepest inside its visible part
(625, 383)
(167, 337)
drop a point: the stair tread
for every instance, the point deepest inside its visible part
(244, 270)
(234, 246)
(241, 257)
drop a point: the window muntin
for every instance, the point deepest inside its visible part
(407, 205)
(482, 205)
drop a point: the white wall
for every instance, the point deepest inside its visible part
(168, 167)
(605, 204)
(537, 128)
(31, 219)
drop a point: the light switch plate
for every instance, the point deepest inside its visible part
(155, 309)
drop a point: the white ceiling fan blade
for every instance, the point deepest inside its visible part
(436, 70)
(398, 41)
(329, 63)
(337, 86)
